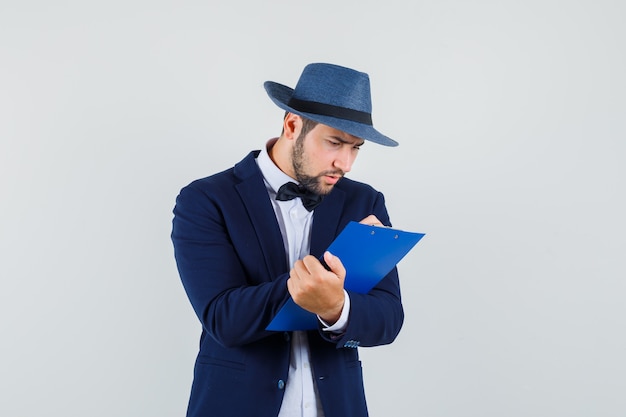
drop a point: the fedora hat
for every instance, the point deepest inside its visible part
(336, 96)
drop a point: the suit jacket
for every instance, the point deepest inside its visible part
(234, 269)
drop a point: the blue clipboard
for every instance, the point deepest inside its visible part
(368, 253)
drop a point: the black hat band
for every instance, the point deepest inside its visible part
(324, 109)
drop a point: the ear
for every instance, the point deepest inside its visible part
(292, 125)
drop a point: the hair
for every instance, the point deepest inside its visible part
(307, 125)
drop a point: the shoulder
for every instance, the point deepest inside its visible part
(227, 179)
(357, 199)
(355, 189)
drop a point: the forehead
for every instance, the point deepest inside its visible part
(330, 132)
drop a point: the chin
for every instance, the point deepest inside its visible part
(325, 189)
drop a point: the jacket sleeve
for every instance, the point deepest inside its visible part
(233, 300)
(376, 317)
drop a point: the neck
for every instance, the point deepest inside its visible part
(280, 153)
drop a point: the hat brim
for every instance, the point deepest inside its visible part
(281, 94)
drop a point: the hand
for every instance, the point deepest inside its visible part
(372, 221)
(316, 289)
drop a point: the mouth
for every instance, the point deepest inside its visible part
(332, 179)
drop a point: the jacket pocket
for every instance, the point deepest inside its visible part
(223, 363)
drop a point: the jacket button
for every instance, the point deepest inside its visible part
(287, 336)
(281, 384)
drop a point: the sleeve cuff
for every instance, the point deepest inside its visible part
(342, 323)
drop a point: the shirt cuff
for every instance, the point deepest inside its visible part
(342, 323)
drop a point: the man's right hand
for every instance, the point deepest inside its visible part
(316, 289)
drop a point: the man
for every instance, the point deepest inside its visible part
(250, 237)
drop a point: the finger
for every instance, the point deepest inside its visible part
(301, 268)
(298, 272)
(293, 273)
(335, 264)
(371, 220)
(311, 264)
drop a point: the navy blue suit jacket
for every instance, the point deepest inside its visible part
(233, 266)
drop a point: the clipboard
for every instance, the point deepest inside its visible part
(368, 253)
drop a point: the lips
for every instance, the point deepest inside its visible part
(332, 179)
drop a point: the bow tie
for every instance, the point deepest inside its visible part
(290, 190)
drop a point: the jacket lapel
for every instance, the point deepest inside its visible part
(261, 213)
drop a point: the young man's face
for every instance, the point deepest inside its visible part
(323, 156)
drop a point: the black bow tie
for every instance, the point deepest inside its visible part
(290, 190)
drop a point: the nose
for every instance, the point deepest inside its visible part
(345, 159)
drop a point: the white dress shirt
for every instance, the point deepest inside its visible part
(301, 397)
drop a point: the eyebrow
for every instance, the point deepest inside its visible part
(342, 140)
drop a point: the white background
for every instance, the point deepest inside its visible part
(511, 118)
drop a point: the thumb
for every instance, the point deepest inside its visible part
(335, 265)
